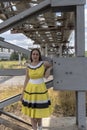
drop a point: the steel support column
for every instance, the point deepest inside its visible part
(80, 51)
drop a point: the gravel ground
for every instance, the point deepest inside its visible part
(13, 81)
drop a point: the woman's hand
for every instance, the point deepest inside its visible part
(25, 84)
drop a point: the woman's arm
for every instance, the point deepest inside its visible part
(25, 82)
(48, 68)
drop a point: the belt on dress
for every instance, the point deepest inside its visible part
(36, 81)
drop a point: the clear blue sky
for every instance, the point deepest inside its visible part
(23, 41)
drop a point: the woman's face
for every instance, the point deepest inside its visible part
(35, 56)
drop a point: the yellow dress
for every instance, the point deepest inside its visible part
(36, 103)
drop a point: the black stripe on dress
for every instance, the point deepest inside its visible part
(36, 105)
(36, 92)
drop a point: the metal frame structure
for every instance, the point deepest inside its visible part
(41, 24)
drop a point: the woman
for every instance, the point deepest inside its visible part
(35, 100)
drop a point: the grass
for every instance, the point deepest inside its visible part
(63, 102)
(11, 64)
(86, 53)
(9, 92)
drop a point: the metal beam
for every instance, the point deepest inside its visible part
(59, 28)
(80, 32)
(9, 101)
(9, 0)
(11, 124)
(49, 84)
(14, 47)
(66, 5)
(14, 117)
(13, 21)
(1, 39)
(57, 3)
(12, 72)
(80, 52)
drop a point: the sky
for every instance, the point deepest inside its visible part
(17, 39)
(23, 41)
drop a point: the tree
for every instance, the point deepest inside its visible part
(14, 56)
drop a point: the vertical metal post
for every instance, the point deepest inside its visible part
(9, 50)
(80, 52)
(42, 50)
(20, 58)
(1, 49)
(46, 51)
(60, 50)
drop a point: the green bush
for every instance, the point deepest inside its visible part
(14, 56)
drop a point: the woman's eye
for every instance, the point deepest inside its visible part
(35, 54)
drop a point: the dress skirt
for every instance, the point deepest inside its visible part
(36, 102)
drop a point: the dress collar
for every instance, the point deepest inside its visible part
(36, 66)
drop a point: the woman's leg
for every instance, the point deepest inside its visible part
(34, 123)
(39, 121)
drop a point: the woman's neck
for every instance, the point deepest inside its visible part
(35, 62)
